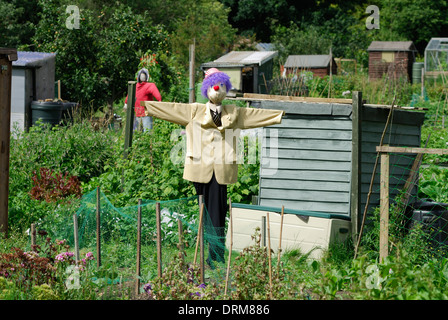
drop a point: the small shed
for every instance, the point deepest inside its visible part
(318, 64)
(391, 58)
(436, 57)
(33, 78)
(318, 165)
(249, 71)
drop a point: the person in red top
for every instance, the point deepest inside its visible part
(144, 91)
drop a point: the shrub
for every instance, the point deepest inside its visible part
(49, 186)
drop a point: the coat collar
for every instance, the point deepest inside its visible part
(225, 118)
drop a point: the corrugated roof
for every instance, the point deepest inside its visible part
(308, 61)
(31, 58)
(242, 58)
(391, 46)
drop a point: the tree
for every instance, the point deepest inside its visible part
(95, 61)
(206, 23)
(19, 18)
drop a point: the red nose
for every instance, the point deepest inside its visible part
(216, 88)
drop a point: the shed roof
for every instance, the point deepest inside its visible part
(308, 61)
(391, 46)
(32, 59)
(242, 58)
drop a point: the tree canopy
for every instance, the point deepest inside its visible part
(95, 61)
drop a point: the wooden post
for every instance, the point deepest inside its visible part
(384, 206)
(263, 231)
(269, 256)
(139, 240)
(355, 192)
(230, 247)
(33, 235)
(159, 240)
(75, 236)
(98, 227)
(181, 240)
(201, 241)
(201, 213)
(280, 240)
(192, 97)
(6, 58)
(129, 128)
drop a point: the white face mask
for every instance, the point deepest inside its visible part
(217, 93)
(142, 77)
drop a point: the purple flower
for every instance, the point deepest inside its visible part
(147, 287)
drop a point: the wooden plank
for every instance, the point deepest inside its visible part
(356, 155)
(315, 134)
(306, 195)
(311, 154)
(311, 144)
(311, 122)
(392, 149)
(305, 185)
(279, 163)
(327, 207)
(6, 57)
(384, 207)
(372, 126)
(129, 127)
(307, 175)
(294, 98)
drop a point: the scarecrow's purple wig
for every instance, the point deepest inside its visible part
(214, 78)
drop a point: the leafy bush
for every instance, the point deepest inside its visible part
(49, 186)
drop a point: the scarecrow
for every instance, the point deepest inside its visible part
(212, 131)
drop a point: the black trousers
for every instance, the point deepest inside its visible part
(215, 201)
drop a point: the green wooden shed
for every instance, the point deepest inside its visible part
(318, 163)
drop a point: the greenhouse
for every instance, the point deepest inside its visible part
(436, 57)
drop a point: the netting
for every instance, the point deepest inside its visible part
(119, 231)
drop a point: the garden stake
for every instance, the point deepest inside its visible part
(373, 178)
(139, 238)
(269, 257)
(181, 241)
(230, 247)
(159, 241)
(98, 228)
(33, 234)
(199, 231)
(280, 240)
(75, 236)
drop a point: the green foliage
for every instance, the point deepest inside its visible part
(95, 61)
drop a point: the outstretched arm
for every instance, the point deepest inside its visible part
(179, 113)
(255, 118)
